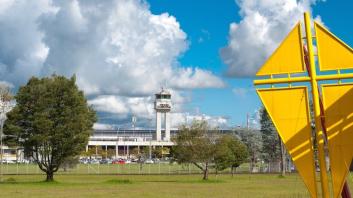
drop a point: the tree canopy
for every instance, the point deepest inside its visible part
(229, 152)
(206, 148)
(270, 138)
(252, 139)
(195, 144)
(51, 121)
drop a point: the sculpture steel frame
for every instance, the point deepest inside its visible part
(304, 59)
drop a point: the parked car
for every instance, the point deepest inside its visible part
(149, 161)
(94, 161)
(118, 161)
(103, 161)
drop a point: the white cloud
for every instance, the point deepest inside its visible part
(142, 107)
(263, 26)
(179, 119)
(120, 52)
(101, 126)
(117, 48)
(22, 51)
(6, 84)
(240, 91)
(114, 47)
(197, 78)
(109, 104)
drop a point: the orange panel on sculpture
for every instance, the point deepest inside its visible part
(289, 111)
(339, 123)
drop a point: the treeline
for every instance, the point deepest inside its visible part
(207, 148)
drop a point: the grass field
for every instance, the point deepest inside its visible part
(112, 182)
(169, 186)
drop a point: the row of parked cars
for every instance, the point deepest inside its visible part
(117, 161)
(24, 161)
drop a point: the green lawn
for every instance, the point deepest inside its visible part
(115, 181)
(154, 186)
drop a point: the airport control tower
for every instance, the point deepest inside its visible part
(163, 105)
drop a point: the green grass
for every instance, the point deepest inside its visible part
(156, 186)
(114, 181)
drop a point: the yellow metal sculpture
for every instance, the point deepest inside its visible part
(289, 110)
(288, 107)
(288, 57)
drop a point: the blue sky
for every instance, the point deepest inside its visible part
(207, 26)
(123, 51)
(214, 18)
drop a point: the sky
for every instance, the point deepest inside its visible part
(123, 51)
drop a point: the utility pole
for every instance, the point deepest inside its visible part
(247, 121)
(2, 121)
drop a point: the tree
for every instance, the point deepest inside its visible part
(272, 148)
(51, 120)
(5, 100)
(70, 163)
(141, 155)
(252, 139)
(159, 152)
(195, 144)
(229, 152)
(5, 95)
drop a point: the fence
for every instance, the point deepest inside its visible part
(156, 168)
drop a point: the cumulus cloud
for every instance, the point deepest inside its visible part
(186, 118)
(119, 50)
(193, 78)
(142, 107)
(100, 126)
(264, 25)
(123, 108)
(240, 91)
(178, 119)
(22, 51)
(115, 47)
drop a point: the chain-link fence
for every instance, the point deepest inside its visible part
(131, 168)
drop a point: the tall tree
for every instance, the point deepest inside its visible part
(51, 120)
(229, 152)
(273, 148)
(195, 144)
(5, 100)
(252, 139)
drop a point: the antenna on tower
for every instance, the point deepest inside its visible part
(133, 121)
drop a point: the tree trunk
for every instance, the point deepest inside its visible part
(50, 176)
(283, 158)
(205, 172)
(232, 170)
(252, 163)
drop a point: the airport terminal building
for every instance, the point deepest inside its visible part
(121, 142)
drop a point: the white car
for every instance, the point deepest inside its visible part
(149, 161)
(127, 161)
(9, 162)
